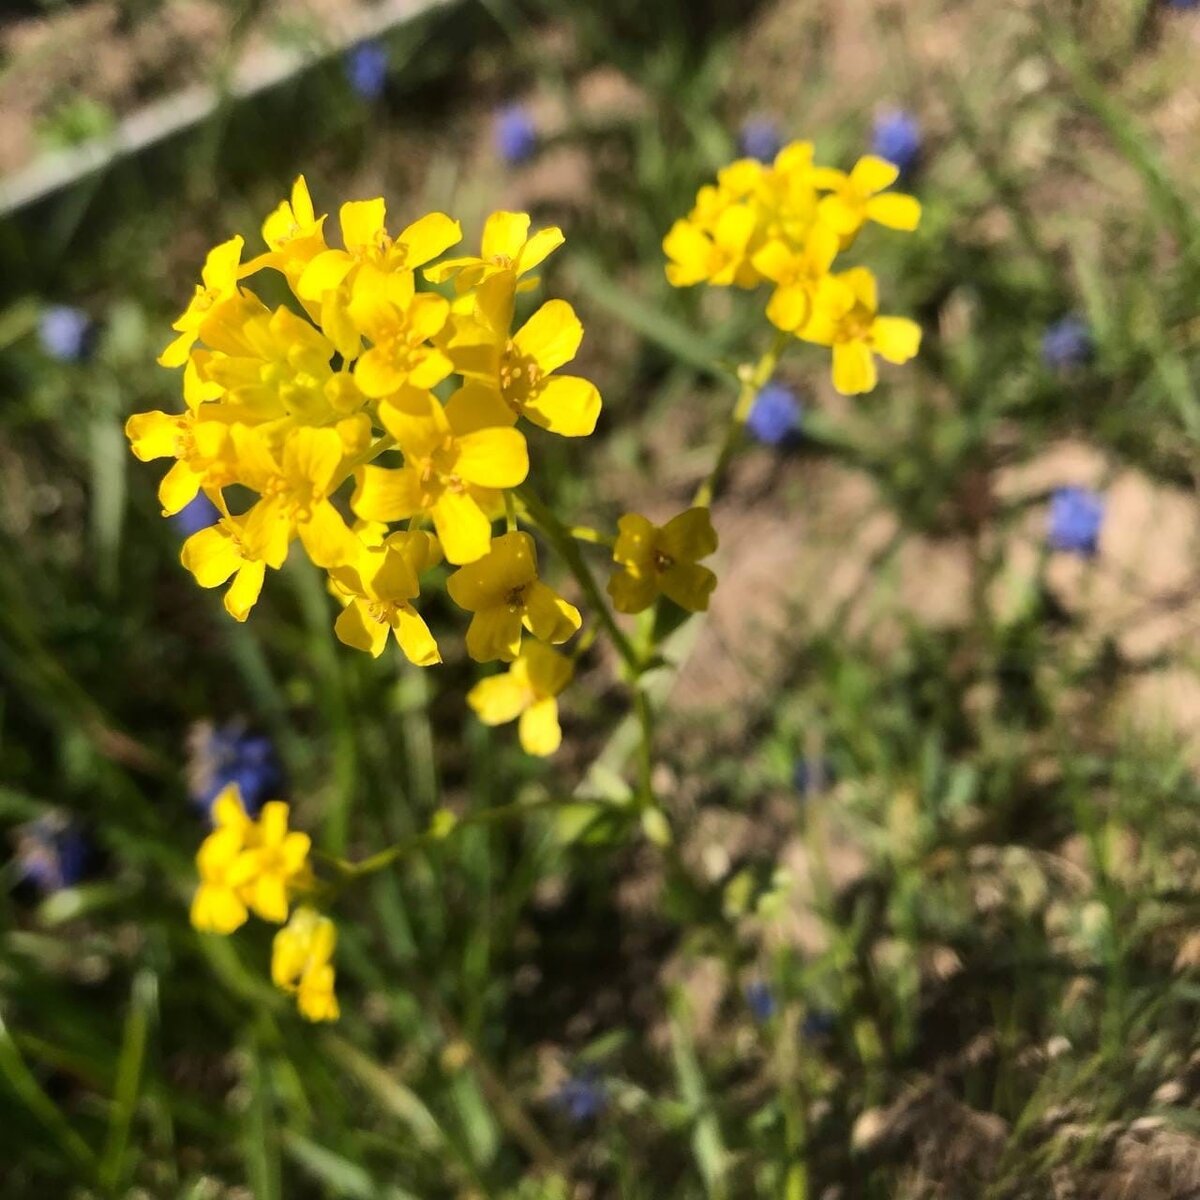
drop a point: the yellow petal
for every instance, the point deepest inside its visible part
(244, 591)
(462, 528)
(689, 536)
(548, 616)
(154, 434)
(690, 252)
(178, 488)
(323, 274)
(362, 223)
(217, 910)
(539, 730)
(539, 248)
(688, 585)
(853, 368)
(896, 338)
(383, 494)
(176, 353)
(635, 541)
(414, 637)
(632, 593)
(895, 210)
(325, 537)
(842, 217)
(551, 336)
(221, 265)
(499, 699)
(475, 406)
(789, 307)
(428, 237)
(493, 458)
(312, 456)
(494, 633)
(549, 672)
(355, 627)
(872, 174)
(268, 898)
(504, 234)
(211, 556)
(379, 373)
(566, 405)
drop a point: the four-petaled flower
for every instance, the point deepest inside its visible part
(664, 560)
(527, 690)
(861, 196)
(505, 595)
(301, 963)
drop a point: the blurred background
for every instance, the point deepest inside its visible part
(929, 925)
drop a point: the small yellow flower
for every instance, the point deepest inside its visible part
(294, 235)
(378, 587)
(506, 247)
(797, 274)
(200, 445)
(855, 198)
(719, 255)
(845, 316)
(400, 322)
(294, 489)
(217, 906)
(504, 593)
(518, 370)
(454, 460)
(273, 864)
(219, 282)
(214, 554)
(301, 963)
(528, 690)
(663, 560)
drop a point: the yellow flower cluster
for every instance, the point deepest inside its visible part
(291, 407)
(259, 866)
(785, 223)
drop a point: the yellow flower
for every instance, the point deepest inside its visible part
(504, 593)
(217, 906)
(400, 322)
(665, 560)
(518, 370)
(273, 864)
(845, 316)
(797, 274)
(719, 255)
(294, 235)
(453, 461)
(201, 447)
(855, 198)
(377, 587)
(301, 963)
(294, 489)
(526, 690)
(281, 369)
(219, 282)
(506, 247)
(329, 279)
(214, 554)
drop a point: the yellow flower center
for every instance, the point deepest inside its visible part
(519, 375)
(503, 261)
(662, 562)
(381, 611)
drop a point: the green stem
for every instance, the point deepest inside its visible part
(752, 379)
(645, 715)
(560, 537)
(432, 836)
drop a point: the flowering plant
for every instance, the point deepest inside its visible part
(377, 420)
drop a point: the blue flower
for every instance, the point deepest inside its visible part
(1067, 343)
(515, 135)
(1076, 514)
(221, 755)
(1182, 3)
(760, 138)
(897, 138)
(51, 852)
(367, 69)
(813, 775)
(775, 416)
(760, 1000)
(65, 333)
(581, 1096)
(196, 515)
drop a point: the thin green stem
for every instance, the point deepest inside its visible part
(753, 378)
(560, 537)
(645, 716)
(444, 825)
